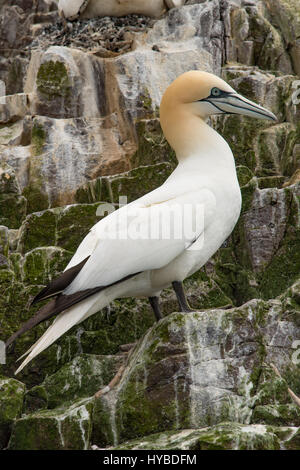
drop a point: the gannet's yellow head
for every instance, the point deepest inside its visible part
(198, 94)
(204, 94)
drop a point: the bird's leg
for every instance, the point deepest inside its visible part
(154, 302)
(179, 291)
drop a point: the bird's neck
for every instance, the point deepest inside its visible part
(198, 145)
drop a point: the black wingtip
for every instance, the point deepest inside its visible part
(9, 342)
(57, 305)
(57, 286)
(39, 297)
(43, 314)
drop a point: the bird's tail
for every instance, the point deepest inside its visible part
(67, 319)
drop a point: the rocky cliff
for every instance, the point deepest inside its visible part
(79, 127)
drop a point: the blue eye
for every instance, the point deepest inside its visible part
(215, 91)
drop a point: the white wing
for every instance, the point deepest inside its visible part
(142, 237)
(112, 259)
(70, 7)
(90, 241)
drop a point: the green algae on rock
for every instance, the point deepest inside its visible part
(38, 138)
(40, 265)
(80, 378)
(52, 79)
(65, 428)
(131, 185)
(101, 334)
(224, 436)
(277, 415)
(152, 145)
(155, 394)
(11, 403)
(12, 204)
(56, 227)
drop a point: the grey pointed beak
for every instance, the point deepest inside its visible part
(233, 103)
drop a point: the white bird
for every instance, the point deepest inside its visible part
(166, 235)
(73, 9)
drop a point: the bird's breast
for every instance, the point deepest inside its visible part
(216, 231)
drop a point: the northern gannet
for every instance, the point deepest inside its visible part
(125, 254)
(73, 9)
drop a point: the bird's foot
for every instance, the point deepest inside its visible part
(187, 309)
(181, 298)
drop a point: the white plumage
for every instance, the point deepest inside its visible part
(93, 8)
(204, 181)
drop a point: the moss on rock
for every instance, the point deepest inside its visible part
(62, 227)
(53, 80)
(38, 229)
(132, 184)
(13, 210)
(74, 223)
(40, 265)
(12, 204)
(244, 174)
(152, 145)
(125, 322)
(38, 138)
(37, 200)
(277, 415)
(60, 429)
(82, 377)
(11, 402)
(293, 443)
(225, 436)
